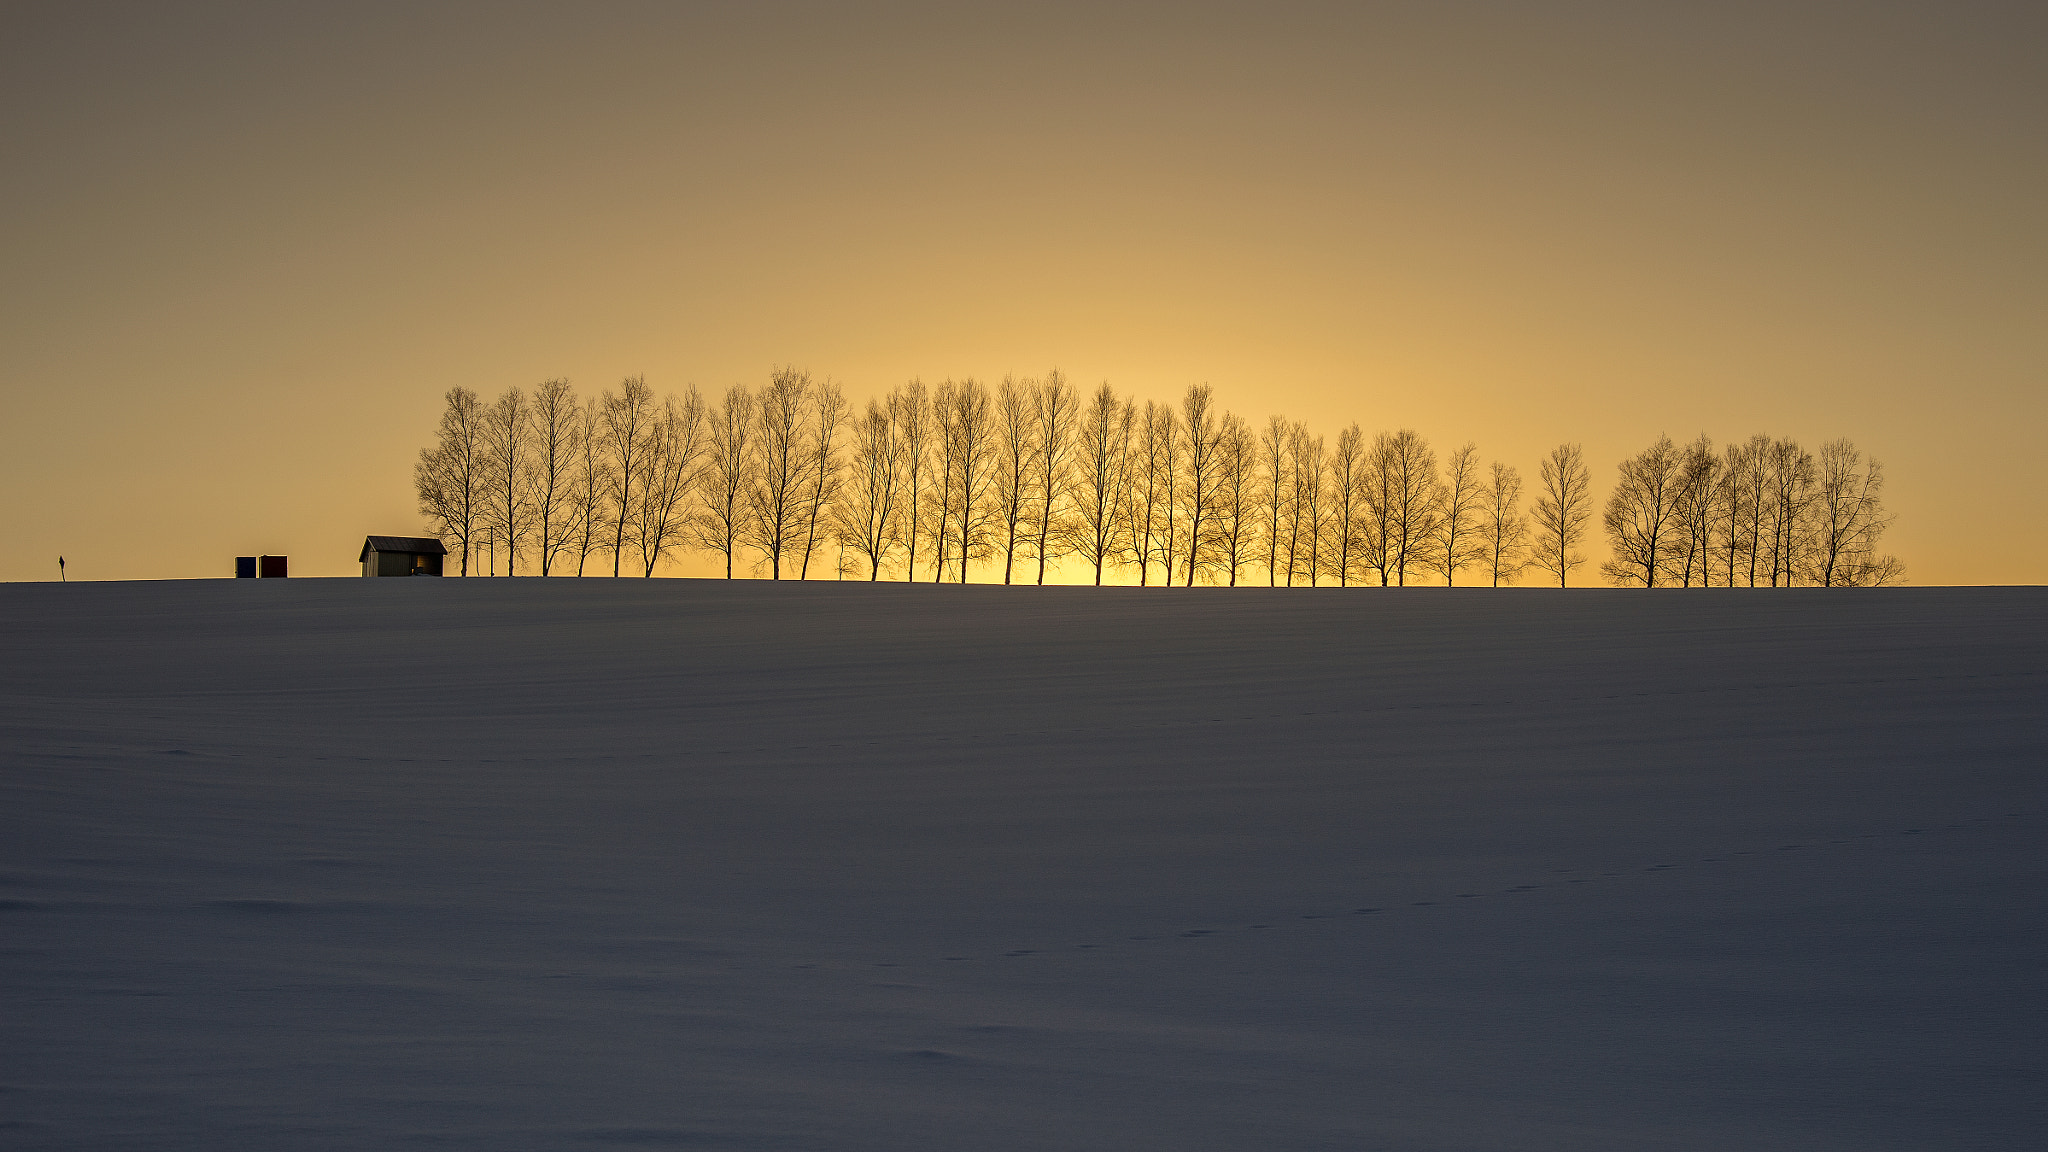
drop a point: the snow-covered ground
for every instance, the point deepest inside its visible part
(525, 864)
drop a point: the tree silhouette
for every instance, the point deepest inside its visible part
(625, 416)
(1460, 527)
(668, 477)
(1563, 506)
(1053, 405)
(1102, 480)
(1504, 530)
(449, 477)
(1642, 515)
(953, 475)
(557, 425)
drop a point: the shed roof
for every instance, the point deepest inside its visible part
(415, 545)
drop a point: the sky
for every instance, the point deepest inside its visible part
(248, 248)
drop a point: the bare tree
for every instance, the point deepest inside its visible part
(1790, 475)
(1562, 510)
(1102, 481)
(1698, 511)
(668, 476)
(775, 504)
(1278, 491)
(1641, 517)
(725, 484)
(1297, 442)
(1459, 540)
(1014, 460)
(1053, 405)
(1733, 491)
(1201, 432)
(508, 437)
(974, 427)
(910, 407)
(1504, 530)
(592, 481)
(1170, 526)
(945, 412)
(1151, 487)
(829, 414)
(867, 517)
(1306, 527)
(439, 491)
(557, 422)
(1410, 485)
(626, 417)
(1347, 503)
(1377, 534)
(1849, 517)
(1236, 501)
(1748, 467)
(449, 477)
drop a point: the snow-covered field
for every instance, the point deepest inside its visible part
(348, 864)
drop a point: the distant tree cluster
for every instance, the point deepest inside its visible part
(935, 482)
(1763, 511)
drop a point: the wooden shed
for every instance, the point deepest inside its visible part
(402, 556)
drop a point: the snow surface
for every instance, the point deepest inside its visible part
(525, 864)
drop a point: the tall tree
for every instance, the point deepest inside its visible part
(1171, 525)
(508, 438)
(557, 422)
(828, 415)
(1376, 531)
(974, 425)
(1236, 502)
(1849, 517)
(1563, 508)
(725, 483)
(1504, 530)
(1151, 488)
(1459, 541)
(1053, 413)
(910, 408)
(1411, 487)
(1277, 491)
(1014, 464)
(669, 467)
(626, 416)
(945, 468)
(1737, 546)
(1200, 430)
(1347, 503)
(592, 482)
(775, 505)
(1789, 472)
(1102, 481)
(1698, 512)
(449, 477)
(1305, 538)
(866, 517)
(1641, 517)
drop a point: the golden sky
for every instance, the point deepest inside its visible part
(248, 248)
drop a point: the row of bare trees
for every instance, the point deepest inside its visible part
(1761, 512)
(935, 482)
